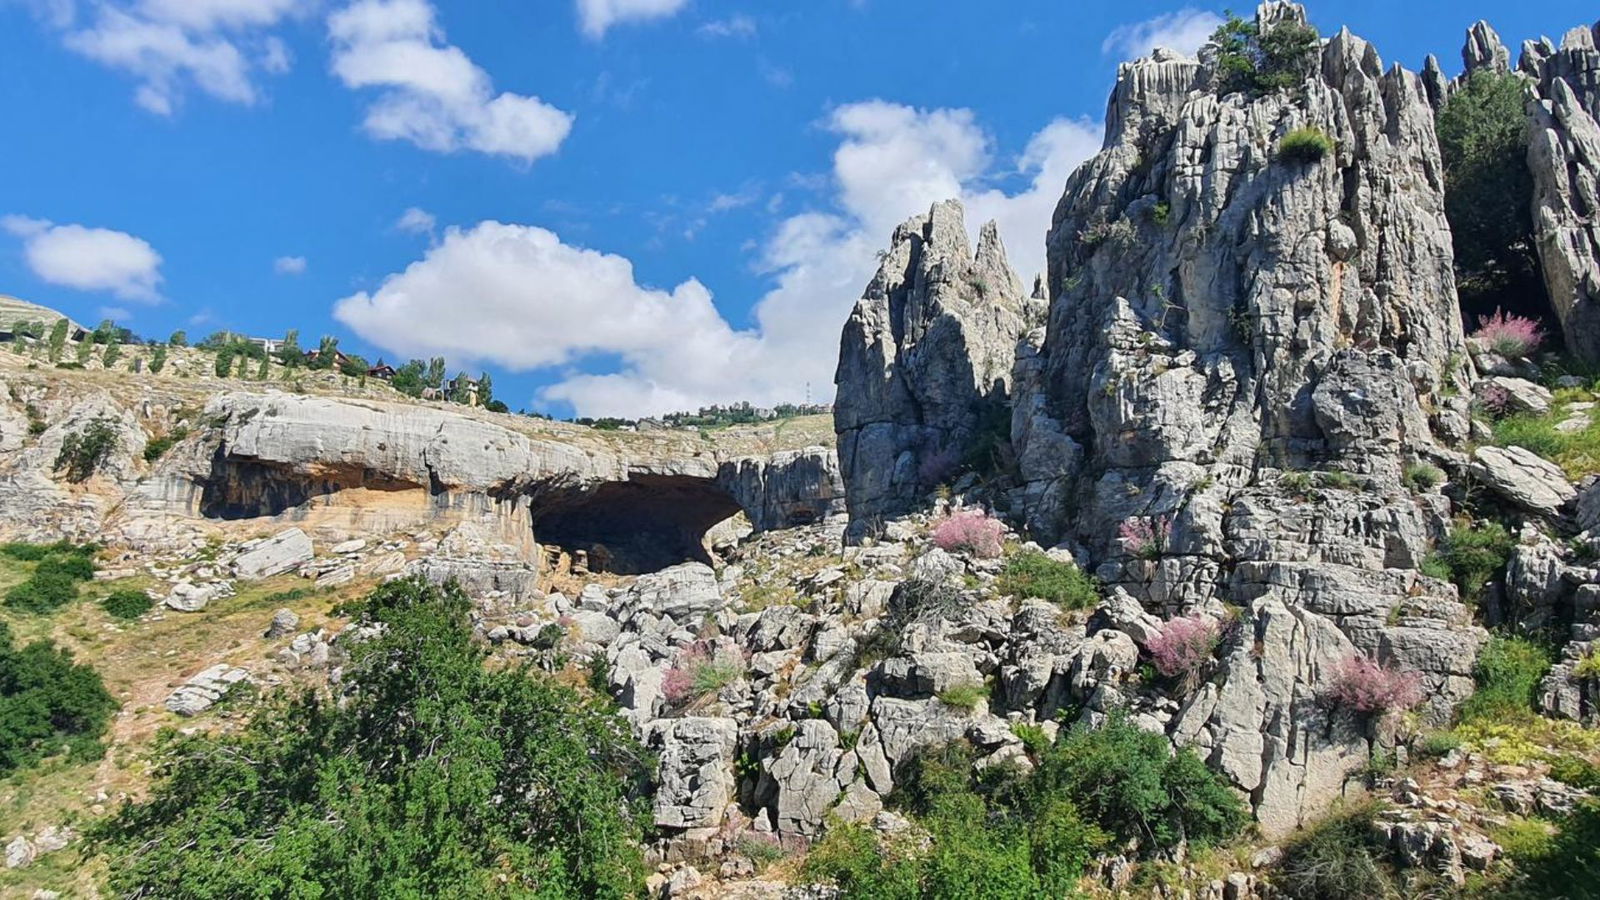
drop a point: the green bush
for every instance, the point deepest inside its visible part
(157, 447)
(1334, 859)
(963, 696)
(1255, 63)
(83, 452)
(76, 566)
(1130, 782)
(1474, 554)
(48, 705)
(1508, 674)
(43, 593)
(1304, 145)
(433, 775)
(1483, 143)
(126, 604)
(1031, 573)
(28, 552)
(1576, 771)
(1421, 477)
(1566, 864)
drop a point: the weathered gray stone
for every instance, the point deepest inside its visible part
(925, 362)
(1523, 478)
(283, 552)
(204, 689)
(695, 770)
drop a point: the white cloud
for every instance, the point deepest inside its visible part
(416, 221)
(88, 259)
(289, 265)
(596, 16)
(520, 297)
(215, 46)
(432, 94)
(1185, 31)
(738, 26)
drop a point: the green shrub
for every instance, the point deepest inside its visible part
(1576, 771)
(1440, 743)
(1257, 63)
(76, 566)
(43, 593)
(964, 696)
(1421, 477)
(1334, 859)
(1304, 145)
(1474, 554)
(27, 552)
(1130, 783)
(1565, 864)
(1031, 573)
(1508, 674)
(158, 360)
(82, 452)
(861, 864)
(1483, 144)
(434, 775)
(126, 604)
(48, 705)
(1576, 452)
(157, 447)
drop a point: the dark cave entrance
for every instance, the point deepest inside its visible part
(631, 527)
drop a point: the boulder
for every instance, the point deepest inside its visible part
(1524, 479)
(283, 552)
(284, 622)
(203, 690)
(695, 770)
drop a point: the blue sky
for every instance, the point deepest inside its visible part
(615, 206)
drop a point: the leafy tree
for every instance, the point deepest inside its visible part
(1253, 62)
(431, 775)
(58, 339)
(105, 332)
(327, 352)
(85, 349)
(289, 352)
(485, 389)
(110, 355)
(354, 366)
(435, 374)
(261, 370)
(158, 359)
(83, 452)
(408, 379)
(224, 364)
(179, 338)
(1483, 141)
(48, 704)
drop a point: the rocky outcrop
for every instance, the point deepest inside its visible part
(1245, 350)
(925, 362)
(202, 691)
(786, 489)
(1564, 157)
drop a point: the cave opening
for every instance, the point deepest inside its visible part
(645, 524)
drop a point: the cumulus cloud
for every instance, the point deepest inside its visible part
(520, 297)
(88, 259)
(430, 93)
(215, 46)
(595, 17)
(1185, 31)
(289, 265)
(738, 26)
(416, 221)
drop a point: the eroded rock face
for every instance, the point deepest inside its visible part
(925, 361)
(1564, 156)
(1244, 353)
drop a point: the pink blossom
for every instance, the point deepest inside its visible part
(1184, 645)
(1145, 536)
(972, 531)
(1508, 335)
(1363, 685)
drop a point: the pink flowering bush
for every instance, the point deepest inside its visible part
(700, 671)
(1363, 685)
(937, 466)
(1184, 645)
(972, 531)
(1145, 536)
(1510, 336)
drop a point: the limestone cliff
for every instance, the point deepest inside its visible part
(925, 361)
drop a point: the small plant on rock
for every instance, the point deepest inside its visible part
(1183, 645)
(1031, 573)
(970, 531)
(1145, 536)
(701, 671)
(964, 696)
(1511, 336)
(1421, 477)
(1363, 685)
(126, 604)
(1304, 145)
